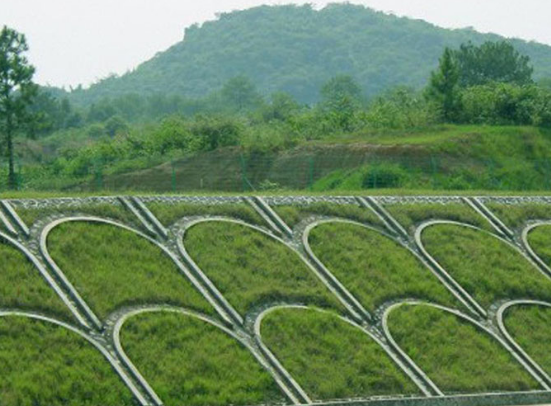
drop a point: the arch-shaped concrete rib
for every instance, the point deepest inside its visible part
(332, 277)
(217, 293)
(501, 325)
(73, 292)
(467, 297)
(152, 309)
(272, 357)
(112, 361)
(44, 274)
(465, 317)
(532, 254)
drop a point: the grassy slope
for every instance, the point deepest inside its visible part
(330, 358)
(23, 288)
(112, 267)
(292, 215)
(249, 267)
(516, 215)
(412, 214)
(485, 266)
(104, 210)
(190, 362)
(44, 364)
(530, 327)
(373, 267)
(540, 241)
(170, 213)
(455, 354)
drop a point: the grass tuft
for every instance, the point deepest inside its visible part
(294, 214)
(23, 288)
(373, 267)
(112, 267)
(516, 215)
(251, 268)
(485, 266)
(44, 364)
(456, 355)
(330, 358)
(540, 241)
(169, 213)
(190, 362)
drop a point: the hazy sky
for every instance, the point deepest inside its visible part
(81, 41)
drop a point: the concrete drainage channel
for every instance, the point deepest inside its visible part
(32, 242)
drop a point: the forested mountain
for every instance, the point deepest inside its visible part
(296, 49)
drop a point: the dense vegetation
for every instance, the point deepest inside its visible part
(373, 267)
(411, 215)
(529, 326)
(485, 266)
(190, 362)
(168, 214)
(112, 267)
(330, 358)
(267, 99)
(294, 214)
(23, 288)
(455, 354)
(250, 268)
(43, 364)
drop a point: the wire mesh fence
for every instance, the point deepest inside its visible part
(238, 172)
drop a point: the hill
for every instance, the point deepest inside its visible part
(296, 49)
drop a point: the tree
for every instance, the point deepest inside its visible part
(240, 94)
(17, 91)
(341, 97)
(443, 89)
(492, 62)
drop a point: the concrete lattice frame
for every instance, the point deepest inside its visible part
(297, 247)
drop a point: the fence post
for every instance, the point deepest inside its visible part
(311, 173)
(243, 173)
(99, 175)
(434, 168)
(173, 179)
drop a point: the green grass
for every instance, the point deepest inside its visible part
(539, 239)
(410, 215)
(530, 327)
(373, 267)
(169, 213)
(190, 362)
(250, 268)
(330, 358)
(457, 356)
(23, 288)
(44, 364)
(516, 215)
(103, 210)
(112, 267)
(292, 215)
(485, 266)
